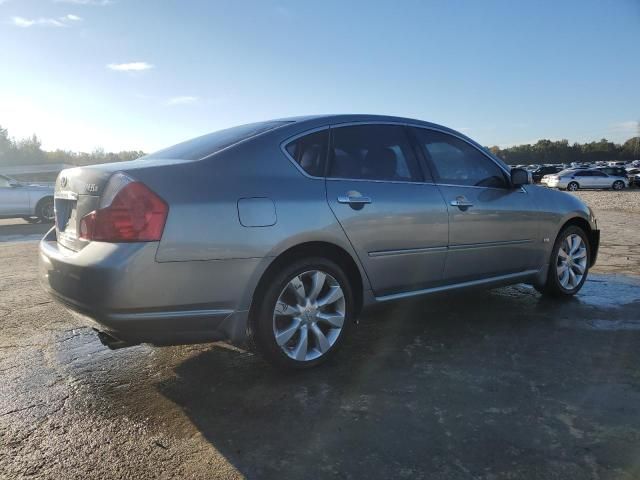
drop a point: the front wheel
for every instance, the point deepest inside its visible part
(304, 314)
(569, 263)
(573, 186)
(618, 185)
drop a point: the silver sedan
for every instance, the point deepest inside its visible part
(24, 200)
(278, 234)
(573, 180)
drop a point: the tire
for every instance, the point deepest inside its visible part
(555, 285)
(45, 210)
(573, 186)
(31, 219)
(267, 323)
(618, 185)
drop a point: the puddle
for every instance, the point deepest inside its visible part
(601, 325)
(610, 291)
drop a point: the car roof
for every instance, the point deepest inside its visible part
(326, 119)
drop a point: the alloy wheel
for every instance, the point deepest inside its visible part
(571, 263)
(48, 211)
(309, 315)
(618, 185)
(573, 186)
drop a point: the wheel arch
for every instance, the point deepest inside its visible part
(323, 249)
(593, 238)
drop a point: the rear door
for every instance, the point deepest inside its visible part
(493, 228)
(396, 222)
(601, 179)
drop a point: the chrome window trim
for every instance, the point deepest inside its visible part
(288, 140)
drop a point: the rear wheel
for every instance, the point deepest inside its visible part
(618, 185)
(569, 263)
(45, 210)
(306, 311)
(573, 186)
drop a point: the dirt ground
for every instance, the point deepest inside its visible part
(485, 385)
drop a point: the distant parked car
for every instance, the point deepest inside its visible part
(34, 203)
(540, 172)
(575, 179)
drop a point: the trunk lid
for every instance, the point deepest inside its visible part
(78, 192)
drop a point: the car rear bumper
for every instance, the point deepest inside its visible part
(120, 289)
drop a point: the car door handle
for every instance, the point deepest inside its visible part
(461, 202)
(353, 200)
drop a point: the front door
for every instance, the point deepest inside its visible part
(14, 200)
(397, 223)
(493, 228)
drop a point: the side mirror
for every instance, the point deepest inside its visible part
(519, 177)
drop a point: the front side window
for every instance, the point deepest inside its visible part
(310, 152)
(455, 162)
(373, 152)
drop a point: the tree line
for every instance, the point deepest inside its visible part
(548, 151)
(28, 151)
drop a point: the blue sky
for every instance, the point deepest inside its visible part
(143, 74)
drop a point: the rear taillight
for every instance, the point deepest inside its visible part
(130, 212)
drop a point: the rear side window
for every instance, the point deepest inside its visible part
(373, 152)
(310, 152)
(455, 162)
(201, 147)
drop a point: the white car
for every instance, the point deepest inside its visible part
(574, 179)
(21, 200)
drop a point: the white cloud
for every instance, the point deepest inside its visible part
(182, 100)
(30, 22)
(130, 67)
(65, 21)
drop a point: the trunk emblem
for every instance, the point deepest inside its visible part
(63, 182)
(91, 187)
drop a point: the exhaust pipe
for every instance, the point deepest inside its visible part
(112, 342)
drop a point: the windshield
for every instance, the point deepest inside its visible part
(206, 145)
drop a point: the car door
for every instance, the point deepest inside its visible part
(14, 200)
(396, 222)
(493, 228)
(601, 179)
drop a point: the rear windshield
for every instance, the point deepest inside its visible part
(201, 147)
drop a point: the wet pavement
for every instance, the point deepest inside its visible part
(491, 385)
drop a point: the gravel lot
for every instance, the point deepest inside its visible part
(522, 387)
(606, 200)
